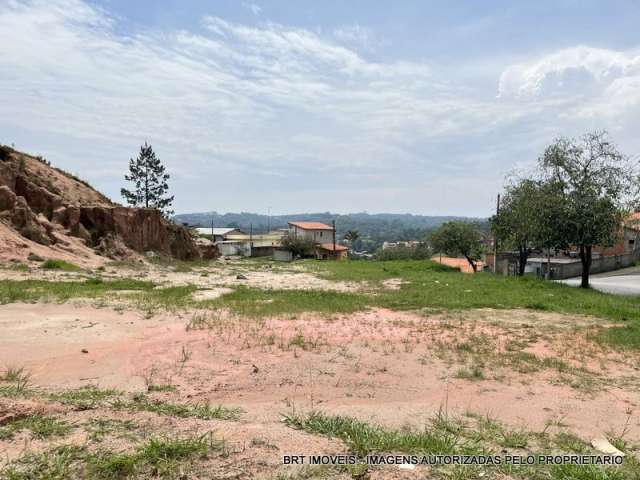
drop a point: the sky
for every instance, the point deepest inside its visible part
(291, 106)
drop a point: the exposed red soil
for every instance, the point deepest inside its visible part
(388, 367)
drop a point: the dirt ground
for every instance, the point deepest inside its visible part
(389, 368)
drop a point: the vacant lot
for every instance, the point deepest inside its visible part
(217, 369)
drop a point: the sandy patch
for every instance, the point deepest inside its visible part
(210, 294)
(388, 367)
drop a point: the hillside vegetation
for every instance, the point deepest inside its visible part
(373, 228)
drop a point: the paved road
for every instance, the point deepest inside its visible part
(613, 282)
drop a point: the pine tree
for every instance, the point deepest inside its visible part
(150, 182)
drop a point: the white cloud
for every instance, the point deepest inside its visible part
(250, 103)
(578, 70)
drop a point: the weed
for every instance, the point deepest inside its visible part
(203, 411)
(15, 375)
(362, 438)
(98, 428)
(40, 427)
(85, 398)
(54, 264)
(476, 373)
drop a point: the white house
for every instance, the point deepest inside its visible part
(219, 234)
(314, 231)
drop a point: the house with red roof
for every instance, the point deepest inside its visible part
(322, 235)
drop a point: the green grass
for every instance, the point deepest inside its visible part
(39, 425)
(33, 290)
(90, 397)
(17, 381)
(164, 458)
(203, 411)
(85, 398)
(54, 264)
(56, 464)
(447, 435)
(256, 302)
(100, 428)
(15, 374)
(441, 437)
(427, 285)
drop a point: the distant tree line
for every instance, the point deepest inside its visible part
(373, 229)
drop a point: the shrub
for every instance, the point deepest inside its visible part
(300, 247)
(53, 264)
(5, 153)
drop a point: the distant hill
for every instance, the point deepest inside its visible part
(373, 228)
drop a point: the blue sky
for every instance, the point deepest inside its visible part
(409, 106)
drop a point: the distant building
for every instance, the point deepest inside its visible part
(322, 235)
(401, 244)
(331, 251)
(315, 231)
(219, 234)
(563, 264)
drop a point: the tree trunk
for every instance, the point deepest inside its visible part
(585, 259)
(472, 263)
(524, 254)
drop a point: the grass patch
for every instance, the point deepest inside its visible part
(474, 373)
(33, 290)
(57, 464)
(255, 302)
(15, 374)
(426, 285)
(441, 437)
(85, 398)
(481, 436)
(19, 382)
(203, 411)
(54, 264)
(160, 457)
(157, 458)
(99, 428)
(19, 267)
(39, 425)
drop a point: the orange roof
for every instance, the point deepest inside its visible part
(311, 225)
(329, 246)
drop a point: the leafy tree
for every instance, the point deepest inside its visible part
(298, 246)
(457, 238)
(531, 216)
(594, 185)
(147, 173)
(351, 236)
(515, 226)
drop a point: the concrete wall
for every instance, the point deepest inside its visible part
(282, 255)
(560, 271)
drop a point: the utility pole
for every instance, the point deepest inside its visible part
(251, 239)
(495, 240)
(333, 223)
(268, 219)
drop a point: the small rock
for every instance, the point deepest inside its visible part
(84, 350)
(255, 368)
(603, 445)
(241, 277)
